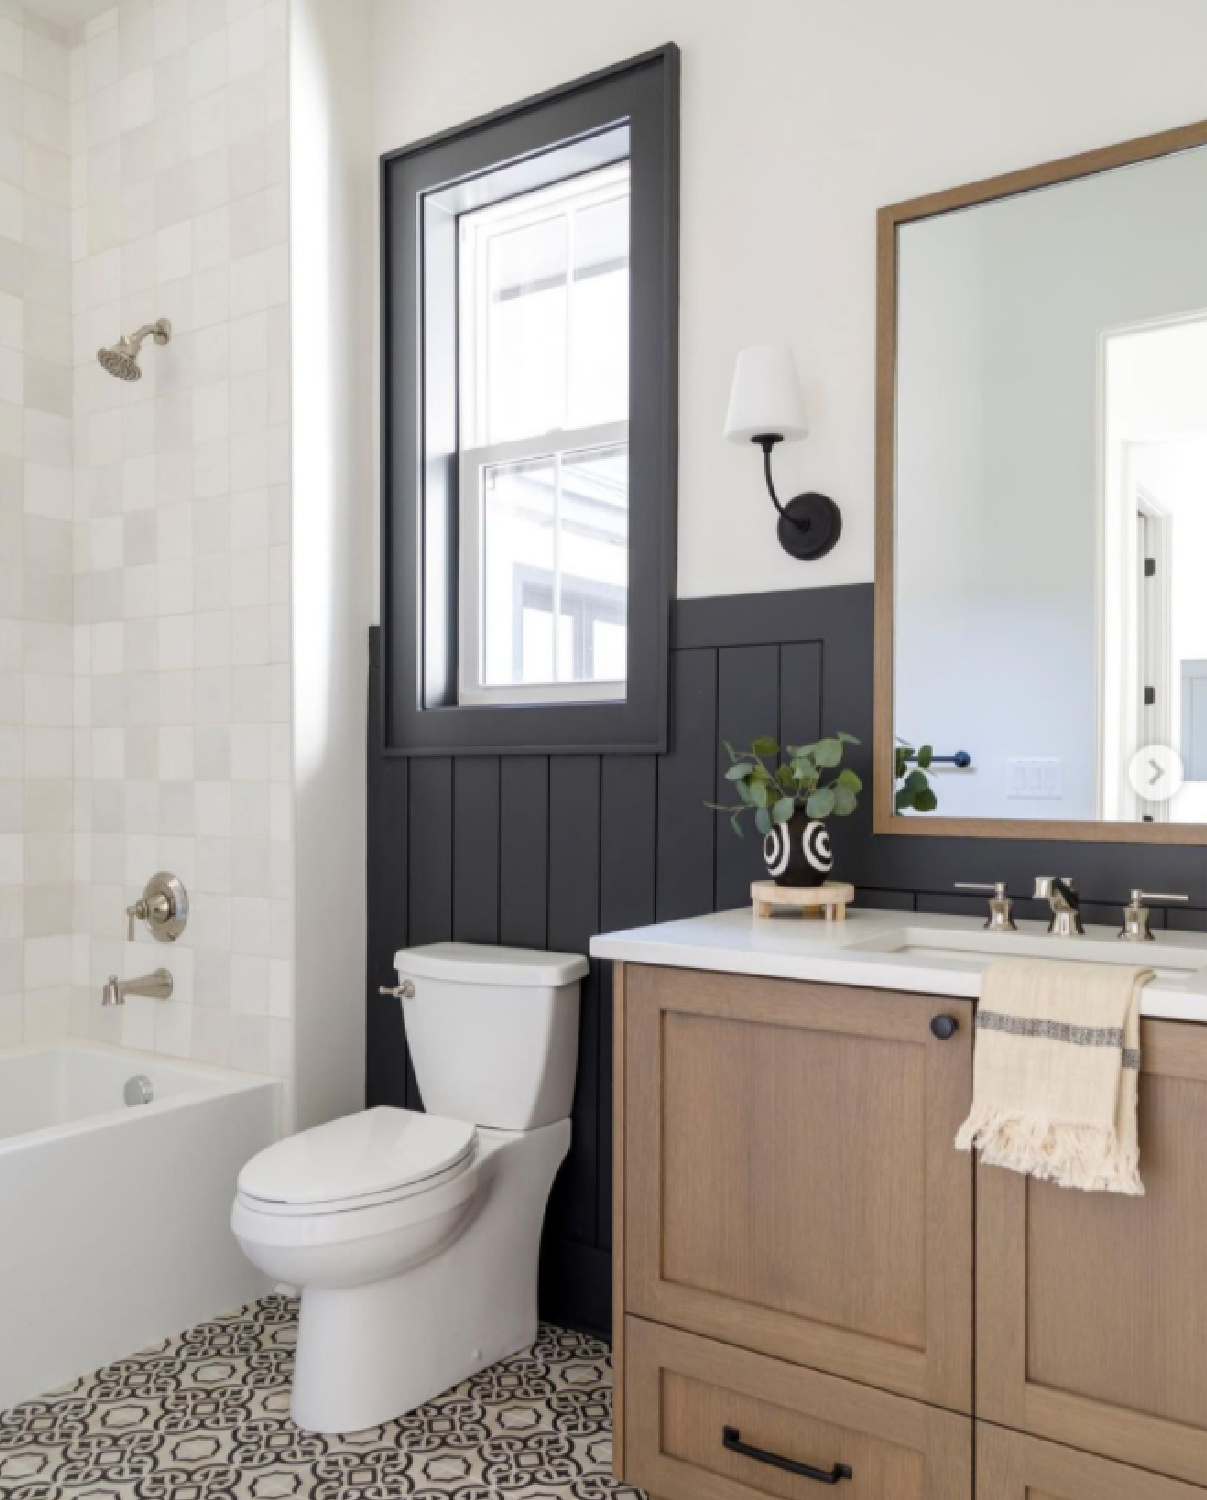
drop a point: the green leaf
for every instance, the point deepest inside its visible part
(900, 762)
(827, 752)
(735, 773)
(745, 795)
(765, 745)
(759, 794)
(916, 782)
(904, 800)
(926, 801)
(821, 802)
(847, 739)
(762, 820)
(736, 826)
(784, 809)
(926, 753)
(849, 778)
(844, 800)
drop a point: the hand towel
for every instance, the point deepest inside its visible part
(1055, 1076)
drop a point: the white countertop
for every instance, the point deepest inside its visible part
(933, 955)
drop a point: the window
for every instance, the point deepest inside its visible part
(530, 409)
(544, 401)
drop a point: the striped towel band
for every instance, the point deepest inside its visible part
(1059, 1031)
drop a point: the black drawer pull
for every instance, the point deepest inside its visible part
(731, 1438)
(945, 1027)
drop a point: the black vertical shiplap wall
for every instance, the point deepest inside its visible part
(545, 851)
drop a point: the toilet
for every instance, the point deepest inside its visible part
(413, 1237)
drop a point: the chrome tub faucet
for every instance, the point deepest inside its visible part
(158, 986)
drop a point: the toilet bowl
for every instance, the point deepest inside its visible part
(414, 1237)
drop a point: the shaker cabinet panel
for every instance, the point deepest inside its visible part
(1092, 1308)
(791, 1183)
(1011, 1466)
(710, 1422)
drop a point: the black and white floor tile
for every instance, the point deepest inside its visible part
(205, 1416)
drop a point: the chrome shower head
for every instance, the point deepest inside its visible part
(121, 359)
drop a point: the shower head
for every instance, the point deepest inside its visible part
(121, 359)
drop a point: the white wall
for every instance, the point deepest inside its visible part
(36, 662)
(333, 184)
(801, 118)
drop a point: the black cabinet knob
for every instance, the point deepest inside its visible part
(945, 1027)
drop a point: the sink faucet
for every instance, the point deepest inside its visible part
(1065, 903)
(158, 986)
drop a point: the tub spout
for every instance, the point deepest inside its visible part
(157, 985)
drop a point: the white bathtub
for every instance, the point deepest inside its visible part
(115, 1220)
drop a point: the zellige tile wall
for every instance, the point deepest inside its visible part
(182, 752)
(36, 662)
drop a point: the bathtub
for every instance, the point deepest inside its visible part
(115, 1218)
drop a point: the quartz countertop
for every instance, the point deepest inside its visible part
(921, 953)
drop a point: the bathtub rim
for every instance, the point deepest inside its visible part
(218, 1082)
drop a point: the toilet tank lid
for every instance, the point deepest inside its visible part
(479, 963)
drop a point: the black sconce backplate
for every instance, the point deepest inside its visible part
(809, 526)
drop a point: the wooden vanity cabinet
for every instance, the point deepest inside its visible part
(711, 1422)
(1092, 1308)
(1012, 1466)
(789, 1179)
(795, 1236)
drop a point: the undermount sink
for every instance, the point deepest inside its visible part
(961, 948)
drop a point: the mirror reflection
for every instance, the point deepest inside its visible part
(1050, 534)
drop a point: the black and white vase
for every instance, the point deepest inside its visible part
(798, 852)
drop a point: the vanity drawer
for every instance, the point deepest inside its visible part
(1092, 1308)
(791, 1180)
(1011, 1466)
(696, 1409)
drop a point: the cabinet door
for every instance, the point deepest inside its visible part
(791, 1180)
(1010, 1466)
(1092, 1308)
(709, 1422)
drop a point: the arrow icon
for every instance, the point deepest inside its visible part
(1158, 772)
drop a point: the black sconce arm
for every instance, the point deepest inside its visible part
(810, 524)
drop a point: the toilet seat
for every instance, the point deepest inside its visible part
(379, 1156)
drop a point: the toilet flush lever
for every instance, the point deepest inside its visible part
(403, 991)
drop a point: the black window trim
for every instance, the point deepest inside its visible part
(644, 91)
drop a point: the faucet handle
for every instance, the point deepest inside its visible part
(1001, 907)
(1137, 926)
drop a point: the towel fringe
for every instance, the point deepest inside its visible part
(1074, 1156)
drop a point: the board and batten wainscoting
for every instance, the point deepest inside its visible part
(545, 851)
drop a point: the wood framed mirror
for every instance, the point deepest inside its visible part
(1041, 502)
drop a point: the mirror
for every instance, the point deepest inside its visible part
(1041, 606)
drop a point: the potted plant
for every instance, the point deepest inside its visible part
(791, 792)
(915, 793)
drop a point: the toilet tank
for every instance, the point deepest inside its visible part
(493, 1032)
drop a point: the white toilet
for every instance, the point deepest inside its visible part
(414, 1237)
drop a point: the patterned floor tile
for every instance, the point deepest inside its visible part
(205, 1416)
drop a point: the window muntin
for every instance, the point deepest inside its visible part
(543, 387)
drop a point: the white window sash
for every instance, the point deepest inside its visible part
(472, 462)
(561, 200)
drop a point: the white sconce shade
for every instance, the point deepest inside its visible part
(765, 399)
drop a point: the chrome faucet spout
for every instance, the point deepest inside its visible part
(156, 986)
(1062, 896)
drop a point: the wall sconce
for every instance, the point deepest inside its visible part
(766, 407)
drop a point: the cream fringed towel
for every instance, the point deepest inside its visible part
(1055, 1073)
